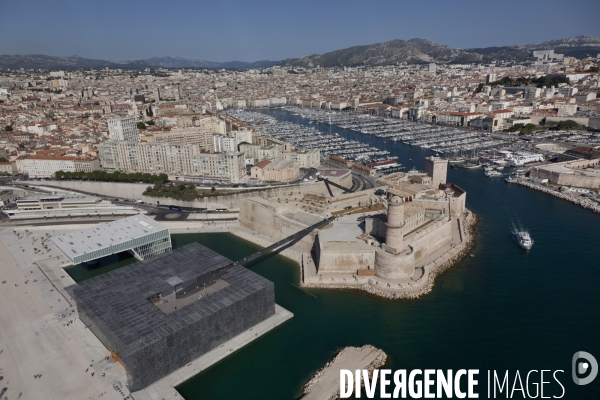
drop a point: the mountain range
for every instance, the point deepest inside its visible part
(395, 51)
(423, 51)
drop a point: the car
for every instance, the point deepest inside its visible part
(379, 192)
(175, 208)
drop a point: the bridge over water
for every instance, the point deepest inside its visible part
(210, 278)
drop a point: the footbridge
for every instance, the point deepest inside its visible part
(329, 183)
(208, 279)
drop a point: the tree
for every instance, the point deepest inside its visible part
(8, 128)
(212, 189)
(3, 159)
(567, 125)
(141, 125)
(150, 122)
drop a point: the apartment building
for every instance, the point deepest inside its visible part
(224, 143)
(47, 166)
(124, 129)
(9, 167)
(188, 161)
(307, 158)
(190, 136)
(211, 124)
(260, 103)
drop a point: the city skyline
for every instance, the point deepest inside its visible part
(259, 31)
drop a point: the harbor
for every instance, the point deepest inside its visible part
(471, 305)
(310, 137)
(321, 129)
(441, 139)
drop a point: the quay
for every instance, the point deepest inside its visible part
(585, 203)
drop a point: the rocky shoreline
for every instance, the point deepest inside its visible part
(585, 203)
(345, 356)
(435, 271)
(422, 287)
(414, 290)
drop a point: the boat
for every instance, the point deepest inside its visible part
(524, 239)
(471, 166)
(500, 168)
(493, 174)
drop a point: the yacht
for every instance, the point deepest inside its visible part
(493, 174)
(524, 239)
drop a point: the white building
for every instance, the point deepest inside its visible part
(140, 235)
(188, 161)
(212, 124)
(306, 158)
(277, 101)
(65, 205)
(242, 136)
(123, 129)
(524, 158)
(47, 166)
(260, 103)
(224, 143)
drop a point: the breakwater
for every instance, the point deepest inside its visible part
(583, 202)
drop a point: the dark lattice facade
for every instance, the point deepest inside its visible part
(152, 344)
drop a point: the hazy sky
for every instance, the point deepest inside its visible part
(226, 30)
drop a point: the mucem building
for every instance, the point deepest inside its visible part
(140, 235)
(160, 314)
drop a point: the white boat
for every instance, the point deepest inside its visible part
(493, 174)
(524, 239)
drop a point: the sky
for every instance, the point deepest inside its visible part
(252, 30)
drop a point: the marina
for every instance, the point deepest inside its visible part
(450, 141)
(310, 137)
(462, 147)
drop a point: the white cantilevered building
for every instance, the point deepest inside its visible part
(138, 234)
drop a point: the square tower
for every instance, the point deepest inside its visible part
(437, 169)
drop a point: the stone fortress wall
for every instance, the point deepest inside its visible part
(570, 173)
(232, 202)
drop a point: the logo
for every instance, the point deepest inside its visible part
(584, 363)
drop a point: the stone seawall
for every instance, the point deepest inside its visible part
(416, 288)
(585, 203)
(434, 268)
(134, 191)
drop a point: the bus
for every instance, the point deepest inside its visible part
(175, 208)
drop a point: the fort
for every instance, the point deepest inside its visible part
(391, 244)
(584, 173)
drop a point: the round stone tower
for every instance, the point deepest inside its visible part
(393, 260)
(394, 234)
